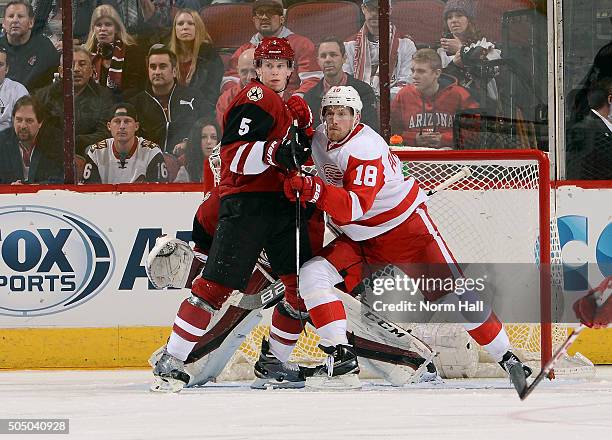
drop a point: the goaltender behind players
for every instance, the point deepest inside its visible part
(124, 157)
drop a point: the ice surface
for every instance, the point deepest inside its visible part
(116, 404)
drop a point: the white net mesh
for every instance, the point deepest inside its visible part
(491, 216)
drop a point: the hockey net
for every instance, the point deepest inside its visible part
(501, 213)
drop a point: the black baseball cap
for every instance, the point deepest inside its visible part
(125, 109)
(274, 5)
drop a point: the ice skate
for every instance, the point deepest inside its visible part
(339, 372)
(170, 375)
(272, 373)
(430, 376)
(517, 371)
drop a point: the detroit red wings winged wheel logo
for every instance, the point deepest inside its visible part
(255, 94)
(333, 174)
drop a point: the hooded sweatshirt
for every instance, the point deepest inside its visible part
(412, 113)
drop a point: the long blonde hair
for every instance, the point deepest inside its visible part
(120, 32)
(201, 36)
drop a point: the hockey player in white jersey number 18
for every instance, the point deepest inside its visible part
(384, 220)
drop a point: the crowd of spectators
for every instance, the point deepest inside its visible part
(158, 60)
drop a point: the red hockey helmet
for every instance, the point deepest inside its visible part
(274, 48)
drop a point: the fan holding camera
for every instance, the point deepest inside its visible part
(466, 54)
(117, 62)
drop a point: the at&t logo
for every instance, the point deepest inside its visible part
(50, 260)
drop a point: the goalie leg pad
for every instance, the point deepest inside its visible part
(209, 367)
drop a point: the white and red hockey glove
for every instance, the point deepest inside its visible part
(589, 312)
(311, 188)
(299, 110)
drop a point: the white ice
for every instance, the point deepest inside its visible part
(116, 404)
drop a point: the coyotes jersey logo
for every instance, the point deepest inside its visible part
(255, 94)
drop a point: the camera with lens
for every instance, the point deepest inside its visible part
(475, 60)
(105, 50)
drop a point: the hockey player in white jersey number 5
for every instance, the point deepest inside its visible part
(384, 219)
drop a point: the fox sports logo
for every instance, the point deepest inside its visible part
(50, 260)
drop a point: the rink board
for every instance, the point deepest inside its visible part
(95, 308)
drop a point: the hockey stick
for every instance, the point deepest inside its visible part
(462, 174)
(551, 363)
(298, 216)
(602, 292)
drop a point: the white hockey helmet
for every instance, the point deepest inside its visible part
(345, 96)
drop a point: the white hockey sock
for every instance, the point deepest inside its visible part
(334, 333)
(179, 347)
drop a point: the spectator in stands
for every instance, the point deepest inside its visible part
(269, 20)
(118, 62)
(92, 102)
(203, 138)
(422, 112)
(31, 151)
(246, 72)
(141, 17)
(600, 69)
(589, 150)
(167, 109)
(331, 56)
(459, 26)
(10, 92)
(124, 157)
(362, 53)
(48, 20)
(32, 58)
(200, 65)
(48, 16)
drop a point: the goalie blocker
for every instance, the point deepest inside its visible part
(390, 350)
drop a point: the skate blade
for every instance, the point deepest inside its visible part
(267, 383)
(166, 385)
(518, 379)
(340, 383)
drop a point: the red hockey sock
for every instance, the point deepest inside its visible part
(284, 333)
(189, 326)
(492, 336)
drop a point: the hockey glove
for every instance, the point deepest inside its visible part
(280, 154)
(587, 310)
(299, 110)
(311, 188)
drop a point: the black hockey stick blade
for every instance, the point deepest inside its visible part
(551, 363)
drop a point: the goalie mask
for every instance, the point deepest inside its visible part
(342, 96)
